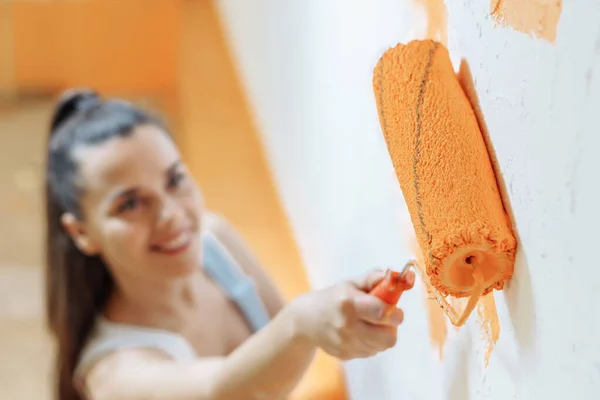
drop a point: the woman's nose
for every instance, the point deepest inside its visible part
(170, 214)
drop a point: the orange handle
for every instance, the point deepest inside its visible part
(391, 287)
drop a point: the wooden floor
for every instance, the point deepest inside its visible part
(25, 349)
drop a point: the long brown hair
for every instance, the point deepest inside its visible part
(77, 285)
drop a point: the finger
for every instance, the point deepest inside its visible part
(393, 318)
(377, 338)
(360, 349)
(349, 345)
(368, 281)
(375, 311)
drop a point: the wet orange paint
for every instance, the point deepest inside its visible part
(445, 173)
(490, 324)
(436, 305)
(438, 330)
(437, 19)
(535, 17)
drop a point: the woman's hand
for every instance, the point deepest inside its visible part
(345, 321)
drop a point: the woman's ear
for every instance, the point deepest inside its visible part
(79, 234)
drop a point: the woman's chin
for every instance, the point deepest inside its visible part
(179, 263)
(179, 269)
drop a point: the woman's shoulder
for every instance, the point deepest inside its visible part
(241, 250)
(110, 337)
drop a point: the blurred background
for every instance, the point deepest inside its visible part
(169, 56)
(272, 104)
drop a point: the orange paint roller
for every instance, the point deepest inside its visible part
(445, 173)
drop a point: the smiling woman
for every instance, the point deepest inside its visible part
(151, 295)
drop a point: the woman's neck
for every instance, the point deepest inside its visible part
(155, 303)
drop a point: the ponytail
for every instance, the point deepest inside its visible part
(77, 286)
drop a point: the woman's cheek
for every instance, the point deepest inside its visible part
(128, 240)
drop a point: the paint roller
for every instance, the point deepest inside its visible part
(445, 174)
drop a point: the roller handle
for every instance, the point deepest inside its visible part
(391, 287)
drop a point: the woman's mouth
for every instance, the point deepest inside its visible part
(175, 244)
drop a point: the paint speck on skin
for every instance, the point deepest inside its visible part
(538, 18)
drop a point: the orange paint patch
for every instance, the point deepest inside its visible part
(535, 17)
(437, 20)
(490, 325)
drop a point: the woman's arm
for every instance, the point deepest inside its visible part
(267, 366)
(344, 320)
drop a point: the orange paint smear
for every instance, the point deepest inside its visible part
(490, 324)
(438, 331)
(445, 173)
(437, 20)
(535, 17)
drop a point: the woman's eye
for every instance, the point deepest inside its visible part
(176, 179)
(129, 205)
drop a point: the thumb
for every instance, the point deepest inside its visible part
(368, 281)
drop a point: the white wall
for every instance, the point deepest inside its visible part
(307, 67)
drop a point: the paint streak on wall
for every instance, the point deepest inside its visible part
(438, 331)
(534, 17)
(490, 325)
(437, 20)
(487, 314)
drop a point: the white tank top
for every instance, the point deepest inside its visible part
(109, 336)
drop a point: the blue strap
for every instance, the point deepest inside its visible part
(238, 286)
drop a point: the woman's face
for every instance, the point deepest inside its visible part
(142, 208)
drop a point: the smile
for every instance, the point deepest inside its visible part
(174, 245)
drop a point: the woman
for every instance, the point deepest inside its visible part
(151, 296)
